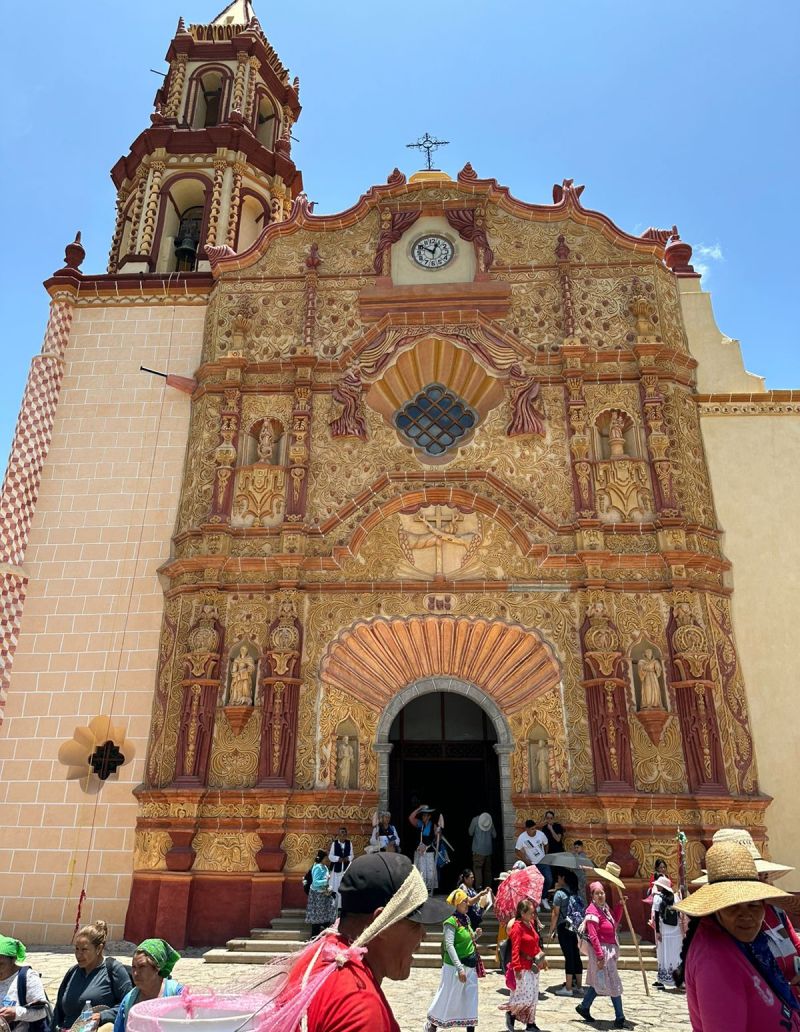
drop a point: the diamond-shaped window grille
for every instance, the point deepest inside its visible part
(435, 420)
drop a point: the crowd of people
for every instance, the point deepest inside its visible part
(96, 994)
(727, 943)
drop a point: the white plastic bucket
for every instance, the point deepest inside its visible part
(201, 1012)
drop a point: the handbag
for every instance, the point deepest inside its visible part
(442, 856)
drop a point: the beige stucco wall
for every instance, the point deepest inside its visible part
(721, 367)
(80, 560)
(754, 461)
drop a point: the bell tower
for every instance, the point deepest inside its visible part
(214, 167)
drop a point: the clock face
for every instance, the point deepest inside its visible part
(432, 252)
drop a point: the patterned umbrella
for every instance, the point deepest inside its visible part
(524, 884)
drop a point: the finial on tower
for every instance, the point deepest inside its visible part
(74, 254)
(678, 255)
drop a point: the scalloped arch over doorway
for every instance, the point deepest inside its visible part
(385, 662)
(375, 660)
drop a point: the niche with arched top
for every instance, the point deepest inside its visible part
(263, 443)
(616, 436)
(345, 752)
(647, 676)
(540, 768)
(242, 680)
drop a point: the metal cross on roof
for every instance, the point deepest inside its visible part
(429, 144)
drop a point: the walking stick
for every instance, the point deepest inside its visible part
(635, 938)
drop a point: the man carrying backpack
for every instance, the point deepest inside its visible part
(566, 917)
(24, 1001)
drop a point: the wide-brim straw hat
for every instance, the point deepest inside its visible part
(732, 879)
(485, 822)
(745, 839)
(611, 872)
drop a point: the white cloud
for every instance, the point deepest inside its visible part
(706, 255)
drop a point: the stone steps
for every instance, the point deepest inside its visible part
(289, 932)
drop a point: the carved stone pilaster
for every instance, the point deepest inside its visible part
(578, 433)
(177, 77)
(298, 452)
(215, 208)
(225, 456)
(235, 204)
(151, 207)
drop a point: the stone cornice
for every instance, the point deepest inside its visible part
(768, 403)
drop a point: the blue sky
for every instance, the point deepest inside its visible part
(680, 113)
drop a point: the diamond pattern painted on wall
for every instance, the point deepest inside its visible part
(435, 420)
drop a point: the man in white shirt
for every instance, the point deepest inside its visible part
(531, 847)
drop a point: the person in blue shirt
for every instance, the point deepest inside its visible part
(321, 907)
(151, 967)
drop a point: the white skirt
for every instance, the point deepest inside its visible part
(522, 1001)
(455, 1003)
(425, 863)
(668, 953)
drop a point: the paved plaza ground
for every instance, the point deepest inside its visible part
(662, 1010)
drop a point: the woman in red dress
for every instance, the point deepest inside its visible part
(527, 959)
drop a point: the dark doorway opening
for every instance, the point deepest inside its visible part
(443, 756)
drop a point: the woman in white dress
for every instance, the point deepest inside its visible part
(430, 829)
(668, 925)
(455, 1004)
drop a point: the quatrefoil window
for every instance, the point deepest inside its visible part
(435, 419)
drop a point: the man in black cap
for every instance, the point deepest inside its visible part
(385, 907)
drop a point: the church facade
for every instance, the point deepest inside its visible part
(427, 511)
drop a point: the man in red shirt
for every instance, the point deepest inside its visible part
(385, 908)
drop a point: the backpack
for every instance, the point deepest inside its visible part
(307, 881)
(575, 914)
(43, 1024)
(669, 915)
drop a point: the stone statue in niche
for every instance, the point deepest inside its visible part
(616, 435)
(346, 763)
(266, 443)
(243, 670)
(539, 763)
(650, 671)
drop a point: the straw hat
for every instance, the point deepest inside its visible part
(732, 879)
(745, 839)
(663, 883)
(485, 822)
(611, 872)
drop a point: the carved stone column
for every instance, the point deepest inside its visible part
(237, 101)
(281, 694)
(151, 207)
(578, 433)
(226, 450)
(606, 704)
(177, 77)
(298, 453)
(658, 442)
(234, 204)
(251, 90)
(200, 693)
(694, 696)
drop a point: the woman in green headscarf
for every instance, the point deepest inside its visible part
(151, 967)
(23, 1005)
